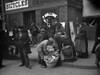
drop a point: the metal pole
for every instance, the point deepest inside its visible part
(3, 14)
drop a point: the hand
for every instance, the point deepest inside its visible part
(45, 57)
(42, 57)
(98, 38)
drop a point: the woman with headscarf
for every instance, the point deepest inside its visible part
(81, 42)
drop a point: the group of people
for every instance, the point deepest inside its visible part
(50, 47)
(66, 46)
(22, 43)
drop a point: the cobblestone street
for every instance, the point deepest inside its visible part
(79, 67)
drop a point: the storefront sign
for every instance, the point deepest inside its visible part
(16, 5)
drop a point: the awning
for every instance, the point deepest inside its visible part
(89, 9)
(91, 13)
(91, 19)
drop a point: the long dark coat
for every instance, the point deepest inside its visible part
(23, 41)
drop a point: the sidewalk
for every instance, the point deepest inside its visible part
(86, 63)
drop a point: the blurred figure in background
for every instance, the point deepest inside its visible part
(3, 47)
(97, 37)
(34, 31)
(42, 35)
(97, 54)
(81, 42)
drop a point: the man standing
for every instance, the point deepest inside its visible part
(22, 40)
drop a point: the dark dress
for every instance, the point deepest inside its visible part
(81, 43)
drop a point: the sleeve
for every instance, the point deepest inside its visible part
(56, 46)
(40, 50)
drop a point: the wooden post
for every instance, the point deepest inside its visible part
(3, 14)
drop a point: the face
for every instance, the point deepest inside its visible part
(54, 22)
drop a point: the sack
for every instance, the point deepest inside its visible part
(67, 51)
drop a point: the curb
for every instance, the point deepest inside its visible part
(67, 64)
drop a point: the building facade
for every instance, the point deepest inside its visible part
(26, 12)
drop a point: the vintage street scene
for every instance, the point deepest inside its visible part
(49, 37)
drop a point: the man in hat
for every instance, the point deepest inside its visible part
(22, 40)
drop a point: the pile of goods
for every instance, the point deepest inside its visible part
(52, 57)
(67, 51)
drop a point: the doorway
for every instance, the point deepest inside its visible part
(29, 18)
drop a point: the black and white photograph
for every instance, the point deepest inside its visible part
(49, 37)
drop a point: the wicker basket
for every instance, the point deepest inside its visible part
(50, 65)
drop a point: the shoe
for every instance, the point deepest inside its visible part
(92, 52)
(1, 66)
(21, 65)
(28, 66)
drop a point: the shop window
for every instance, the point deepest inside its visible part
(29, 18)
(14, 20)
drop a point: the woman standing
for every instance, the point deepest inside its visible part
(81, 42)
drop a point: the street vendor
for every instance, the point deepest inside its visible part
(47, 48)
